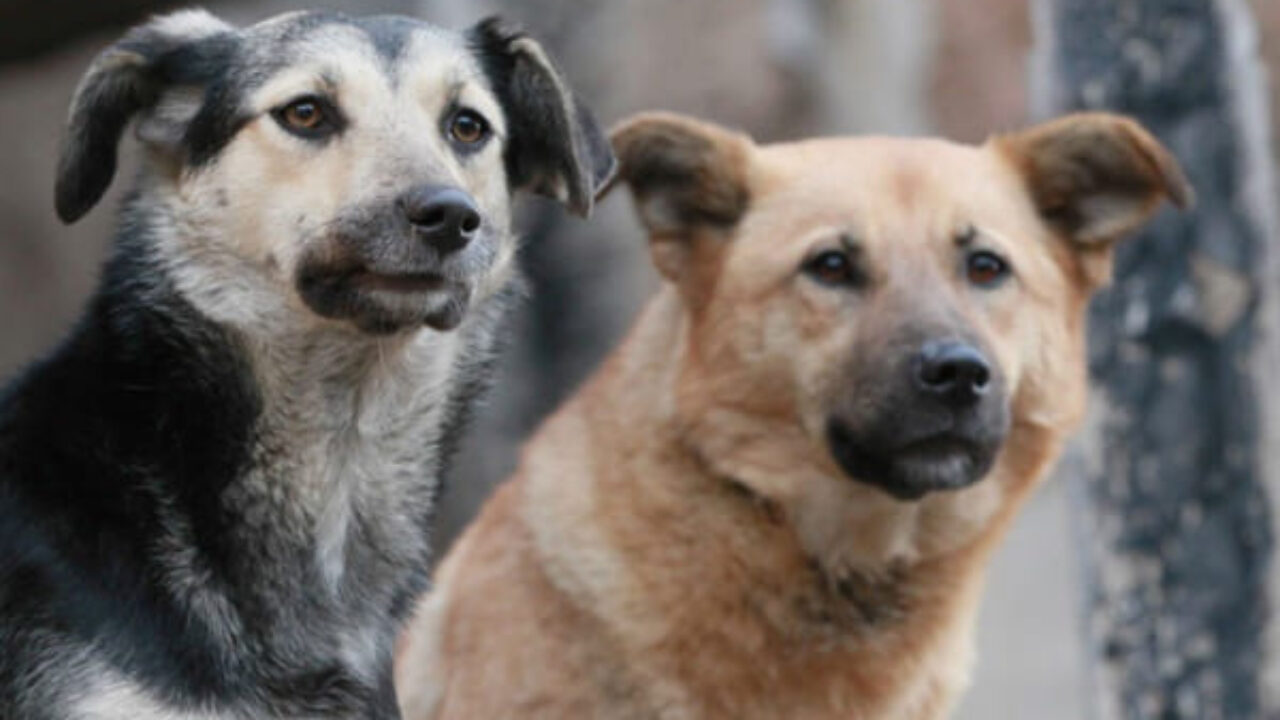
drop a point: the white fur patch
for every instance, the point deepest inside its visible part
(190, 24)
(164, 124)
(113, 697)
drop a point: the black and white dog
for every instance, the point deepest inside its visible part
(215, 494)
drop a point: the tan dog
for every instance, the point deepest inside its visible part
(777, 498)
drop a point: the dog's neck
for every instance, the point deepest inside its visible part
(355, 423)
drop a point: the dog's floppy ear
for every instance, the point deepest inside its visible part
(125, 79)
(555, 146)
(687, 176)
(1095, 176)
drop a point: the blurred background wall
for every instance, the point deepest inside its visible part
(777, 68)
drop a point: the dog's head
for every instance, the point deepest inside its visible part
(360, 168)
(889, 314)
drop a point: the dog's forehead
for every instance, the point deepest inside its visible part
(883, 168)
(395, 46)
(889, 187)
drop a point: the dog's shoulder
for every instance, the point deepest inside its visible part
(85, 523)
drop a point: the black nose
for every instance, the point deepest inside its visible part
(445, 217)
(954, 372)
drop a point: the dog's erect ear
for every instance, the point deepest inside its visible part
(1095, 176)
(686, 176)
(125, 79)
(555, 147)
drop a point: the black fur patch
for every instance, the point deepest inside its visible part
(92, 439)
(220, 116)
(130, 77)
(553, 140)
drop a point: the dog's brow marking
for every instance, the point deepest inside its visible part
(292, 84)
(453, 94)
(857, 253)
(972, 236)
(456, 86)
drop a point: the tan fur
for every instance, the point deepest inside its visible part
(678, 541)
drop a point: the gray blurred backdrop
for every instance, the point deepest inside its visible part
(776, 68)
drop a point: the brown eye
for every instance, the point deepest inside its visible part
(303, 115)
(832, 268)
(985, 268)
(468, 128)
(308, 117)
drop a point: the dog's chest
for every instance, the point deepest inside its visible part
(347, 464)
(371, 481)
